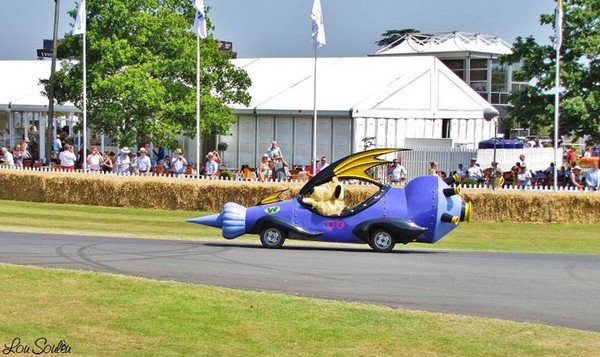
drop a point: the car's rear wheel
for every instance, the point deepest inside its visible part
(272, 237)
(381, 241)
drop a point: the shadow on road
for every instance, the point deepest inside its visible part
(323, 248)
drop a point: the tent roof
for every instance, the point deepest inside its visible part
(390, 87)
(21, 88)
(446, 44)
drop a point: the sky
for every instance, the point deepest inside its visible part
(282, 28)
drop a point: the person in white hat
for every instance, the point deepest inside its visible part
(123, 162)
(143, 162)
(263, 168)
(474, 171)
(211, 168)
(179, 163)
(575, 179)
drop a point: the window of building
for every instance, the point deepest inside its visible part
(457, 66)
(446, 128)
(499, 77)
(479, 76)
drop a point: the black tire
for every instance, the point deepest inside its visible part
(272, 237)
(382, 241)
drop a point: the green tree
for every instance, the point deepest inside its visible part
(141, 73)
(391, 36)
(580, 74)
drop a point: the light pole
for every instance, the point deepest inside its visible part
(49, 136)
(490, 114)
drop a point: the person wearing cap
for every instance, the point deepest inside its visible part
(524, 177)
(496, 174)
(211, 168)
(216, 156)
(178, 163)
(122, 162)
(133, 164)
(592, 177)
(263, 168)
(575, 179)
(143, 162)
(474, 172)
(279, 168)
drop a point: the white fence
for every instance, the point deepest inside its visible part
(416, 161)
(237, 178)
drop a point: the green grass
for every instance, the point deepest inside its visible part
(150, 223)
(102, 315)
(524, 237)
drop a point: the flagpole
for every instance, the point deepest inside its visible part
(84, 103)
(558, 29)
(314, 138)
(556, 115)
(318, 39)
(198, 160)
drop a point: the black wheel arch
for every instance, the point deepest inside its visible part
(283, 224)
(403, 230)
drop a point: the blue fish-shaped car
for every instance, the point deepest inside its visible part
(424, 211)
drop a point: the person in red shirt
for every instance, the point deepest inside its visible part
(310, 170)
(571, 157)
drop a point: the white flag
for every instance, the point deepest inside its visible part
(200, 21)
(318, 28)
(79, 26)
(558, 25)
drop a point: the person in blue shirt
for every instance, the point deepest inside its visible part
(123, 162)
(592, 178)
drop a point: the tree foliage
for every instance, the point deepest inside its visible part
(141, 73)
(579, 70)
(391, 36)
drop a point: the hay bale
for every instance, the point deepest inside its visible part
(210, 195)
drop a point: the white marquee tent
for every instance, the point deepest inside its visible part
(20, 89)
(22, 106)
(397, 100)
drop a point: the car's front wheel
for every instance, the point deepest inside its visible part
(272, 237)
(382, 241)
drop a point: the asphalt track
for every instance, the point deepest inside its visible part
(553, 289)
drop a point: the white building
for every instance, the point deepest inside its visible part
(473, 57)
(23, 108)
(401, 101)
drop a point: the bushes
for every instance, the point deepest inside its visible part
(210, 195)
(226, 175)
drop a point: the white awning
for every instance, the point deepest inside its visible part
(20, 88)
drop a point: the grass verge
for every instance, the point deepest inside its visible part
(101, 314)
(151, 223)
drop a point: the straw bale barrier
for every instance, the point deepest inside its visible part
(210, 195)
